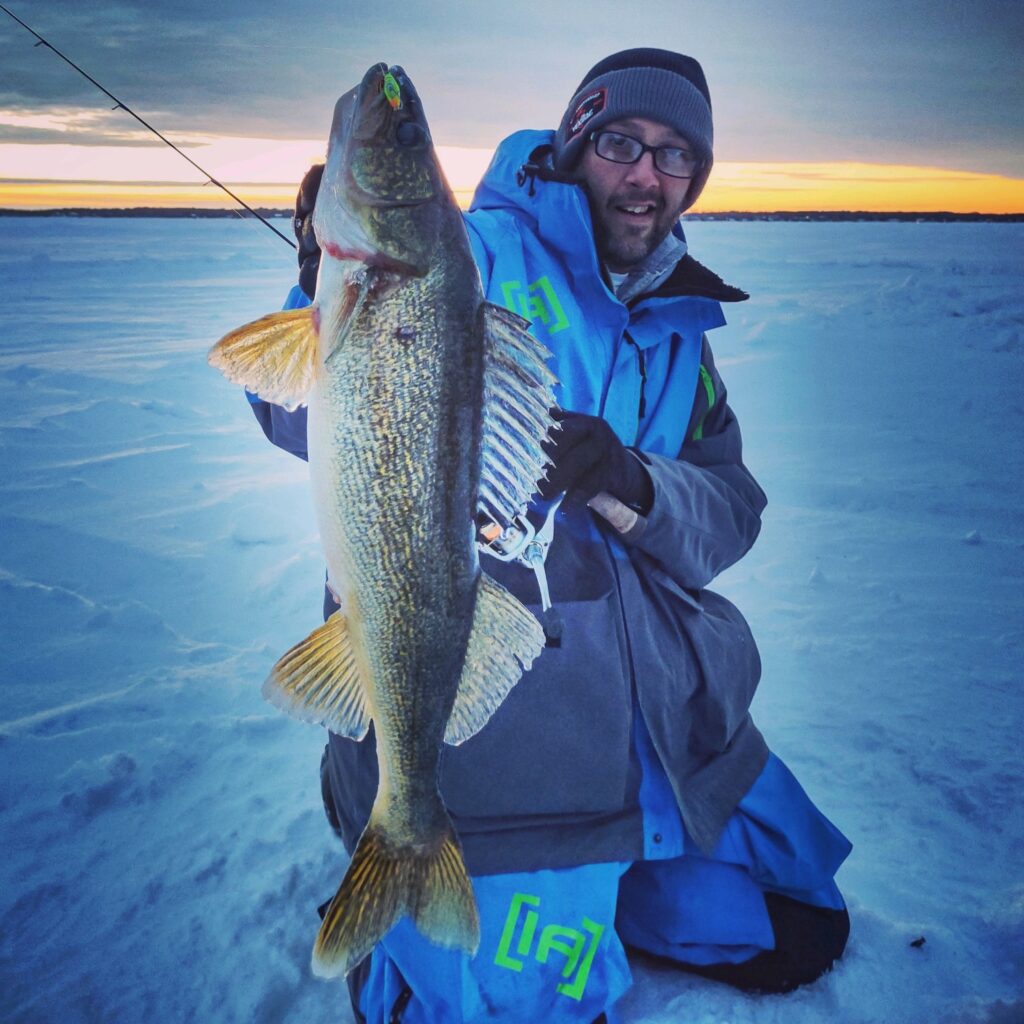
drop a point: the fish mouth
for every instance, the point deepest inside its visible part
(387, 93)
(382, 112)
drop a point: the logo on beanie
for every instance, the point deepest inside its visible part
(593, 103)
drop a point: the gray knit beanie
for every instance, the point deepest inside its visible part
(644, 82)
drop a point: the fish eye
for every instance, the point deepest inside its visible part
(409, 134)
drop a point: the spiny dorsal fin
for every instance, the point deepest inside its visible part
(319, 681)
(518, 397)
(503, 642)
(275, 357)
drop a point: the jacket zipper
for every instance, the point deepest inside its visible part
(642, 363)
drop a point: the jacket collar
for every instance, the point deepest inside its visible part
(654, 270)
(692, 278)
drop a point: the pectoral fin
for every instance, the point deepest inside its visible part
(504, 640)
(319, 681)
(359, 288)
(274, 357)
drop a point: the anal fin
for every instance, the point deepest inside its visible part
(274, 357)
(503, 643)
(319, 681)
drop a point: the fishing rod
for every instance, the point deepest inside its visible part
(145, 124)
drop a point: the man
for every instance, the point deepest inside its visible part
(622, 796)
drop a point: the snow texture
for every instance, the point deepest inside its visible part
(164, 847)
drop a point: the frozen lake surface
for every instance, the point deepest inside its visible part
(164, 848)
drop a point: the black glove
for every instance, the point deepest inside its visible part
(589, 458)
(309, 251)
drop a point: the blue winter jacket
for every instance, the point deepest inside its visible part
(553, 779)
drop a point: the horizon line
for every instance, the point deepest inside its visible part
(225, 212)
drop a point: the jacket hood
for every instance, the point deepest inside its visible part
(554, 207)
(521, 178)
(504, 183)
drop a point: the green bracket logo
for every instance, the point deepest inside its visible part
(578, 947)
(536, 302)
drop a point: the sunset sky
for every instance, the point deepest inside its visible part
(870, 105)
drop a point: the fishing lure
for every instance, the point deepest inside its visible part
(393, 91)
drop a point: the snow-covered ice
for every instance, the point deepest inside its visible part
(164, 848)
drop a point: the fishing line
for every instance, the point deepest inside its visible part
(145, 124)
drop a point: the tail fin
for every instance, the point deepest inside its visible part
(385, 881)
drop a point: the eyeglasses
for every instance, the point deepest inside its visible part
(624, 149)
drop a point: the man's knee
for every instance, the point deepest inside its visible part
(811, 939)
(808, 941)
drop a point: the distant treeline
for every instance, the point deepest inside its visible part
(192, 213)
(813, 215)
(856, 215)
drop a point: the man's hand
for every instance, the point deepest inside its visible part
(309, 251)
(589, 458)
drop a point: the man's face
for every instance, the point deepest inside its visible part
(633, 206)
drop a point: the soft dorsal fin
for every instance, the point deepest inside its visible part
(518, 396)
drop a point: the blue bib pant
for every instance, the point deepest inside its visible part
(763, 913)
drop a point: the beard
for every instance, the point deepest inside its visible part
(623, 243)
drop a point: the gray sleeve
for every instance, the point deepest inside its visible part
(707, 506)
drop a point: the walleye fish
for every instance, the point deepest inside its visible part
(427, 407)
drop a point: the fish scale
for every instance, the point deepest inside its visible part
(427, 406)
